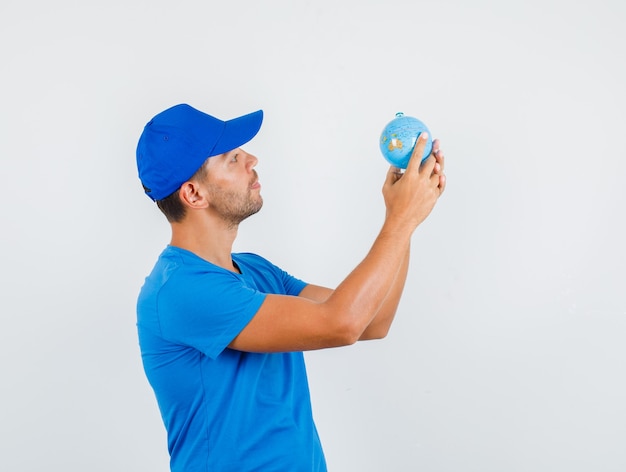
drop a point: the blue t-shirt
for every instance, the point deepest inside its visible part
(224, 410)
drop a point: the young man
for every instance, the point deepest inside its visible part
(222, 334)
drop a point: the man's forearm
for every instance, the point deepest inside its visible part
(379, 327)
(358, 299)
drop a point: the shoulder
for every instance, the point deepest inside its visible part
(252, 259)
(254, 264)
(266, 276)
(181, 272)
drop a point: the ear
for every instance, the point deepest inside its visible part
(192, 195)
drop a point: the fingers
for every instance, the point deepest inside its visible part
(396, 171)
(442, 183)
(416, 157)
(433, 166)
(393, 174)
(438, 177)
(439, 157)
(436, 144)
(438, 171)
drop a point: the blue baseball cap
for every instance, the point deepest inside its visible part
(177, 141)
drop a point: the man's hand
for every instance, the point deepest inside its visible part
(363, 305)
(411, 196)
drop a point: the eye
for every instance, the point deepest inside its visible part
(234, 158)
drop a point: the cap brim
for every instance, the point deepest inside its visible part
(238, 132)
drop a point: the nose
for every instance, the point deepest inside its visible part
(252, 161)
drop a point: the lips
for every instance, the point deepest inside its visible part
(255, 183)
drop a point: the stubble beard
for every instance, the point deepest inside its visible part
(234, 207)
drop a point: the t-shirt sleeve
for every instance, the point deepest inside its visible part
(272, 278)
(293, 285)
(207, 312)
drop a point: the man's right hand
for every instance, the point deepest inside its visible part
(322, 318)
(411, 196)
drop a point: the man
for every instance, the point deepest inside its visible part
(222, 334)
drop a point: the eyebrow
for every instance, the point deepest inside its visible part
(232, 152)
(225, 155)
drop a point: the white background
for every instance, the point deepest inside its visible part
(508, 351)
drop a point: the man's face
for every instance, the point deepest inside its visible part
(233, 186)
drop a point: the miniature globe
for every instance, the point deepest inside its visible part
(398, 140)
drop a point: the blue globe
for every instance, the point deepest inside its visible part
(398, 140)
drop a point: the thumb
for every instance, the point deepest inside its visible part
(418, 152)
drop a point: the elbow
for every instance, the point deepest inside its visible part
(351, 333)
(348, 328)
(373, 333)
(348, 337)
(347, 333)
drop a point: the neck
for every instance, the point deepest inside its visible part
(210, 240)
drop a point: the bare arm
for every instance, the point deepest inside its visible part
(380, 325)
(285, 323)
